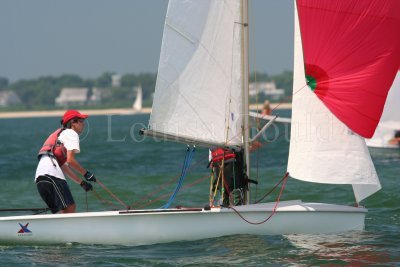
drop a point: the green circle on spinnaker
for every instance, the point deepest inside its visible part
(311, 82)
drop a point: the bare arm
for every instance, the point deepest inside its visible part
(67, 170)
(394, 141)
(73, 163)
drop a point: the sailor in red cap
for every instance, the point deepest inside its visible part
(56, 158)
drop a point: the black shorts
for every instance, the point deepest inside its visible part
(55, 192)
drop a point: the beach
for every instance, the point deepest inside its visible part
(115, 111)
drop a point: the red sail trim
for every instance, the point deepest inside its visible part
(352, 50)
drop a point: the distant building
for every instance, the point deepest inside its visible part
(116, 80)
(267, 88)
(9, 98)
(98, 95)
(72, 96)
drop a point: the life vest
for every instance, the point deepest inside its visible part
(219, 154)
(54, 148)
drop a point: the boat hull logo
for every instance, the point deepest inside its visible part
(24, 231)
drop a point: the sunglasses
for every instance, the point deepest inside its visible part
(78, 120)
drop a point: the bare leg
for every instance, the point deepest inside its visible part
(69, 209)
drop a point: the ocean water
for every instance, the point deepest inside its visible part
(139, 171)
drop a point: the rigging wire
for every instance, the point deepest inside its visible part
(274, 108)
(253, 55)
(142, 201)
(163, 186)
(166, 195)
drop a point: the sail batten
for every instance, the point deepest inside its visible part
(198, 90)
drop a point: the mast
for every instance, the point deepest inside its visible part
(245, 66)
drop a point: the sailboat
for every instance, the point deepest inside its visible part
(389, 124)
(201, 98)
(137, 105)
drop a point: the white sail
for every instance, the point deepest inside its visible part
(199, 95)
(322, 148)
(198, 92)
(390, 120)
(137, 105)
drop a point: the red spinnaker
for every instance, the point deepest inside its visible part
(352, 54)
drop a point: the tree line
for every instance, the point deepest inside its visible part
(41, 92)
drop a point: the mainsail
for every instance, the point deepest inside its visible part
(199, 84)
(349, 51)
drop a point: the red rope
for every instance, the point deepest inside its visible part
(168, 194)
(140, 202)
(103, 200)
(114, 196)
(283, 178)
(273, 211)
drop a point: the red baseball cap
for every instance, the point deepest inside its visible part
(72, 114)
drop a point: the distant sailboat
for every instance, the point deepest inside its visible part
(389, 124)
(201, 98)
(137, 105)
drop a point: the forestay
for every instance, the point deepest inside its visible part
(198, 92)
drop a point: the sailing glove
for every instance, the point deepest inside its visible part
(90, 176)
(86, 186)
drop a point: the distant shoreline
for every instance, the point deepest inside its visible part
(115, 111)
(60, 113)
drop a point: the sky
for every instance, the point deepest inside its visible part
(90, 37)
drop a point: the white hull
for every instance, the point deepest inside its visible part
(144, 227)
